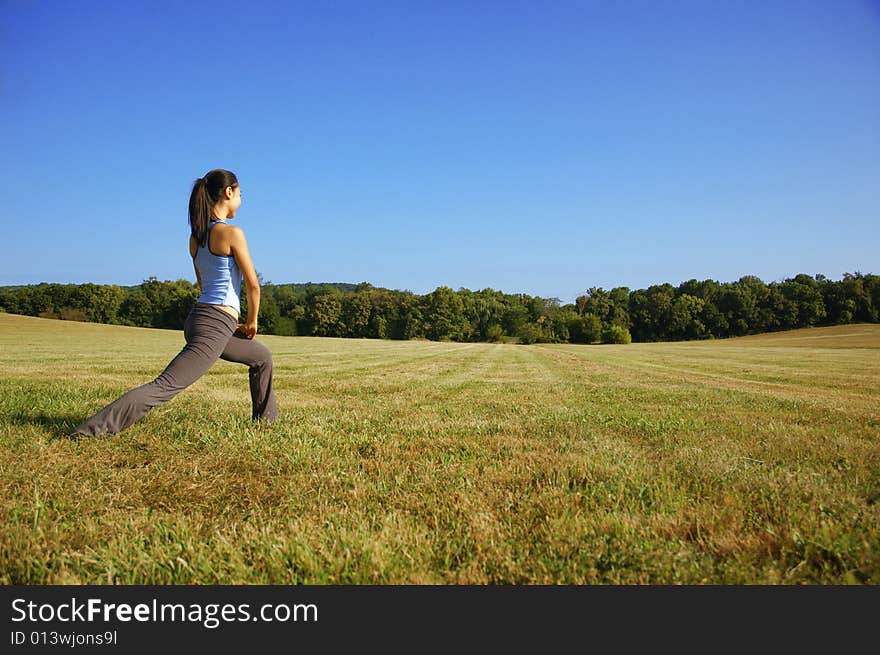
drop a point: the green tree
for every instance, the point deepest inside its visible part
(324, 312)
(649, 311)
(803, 292)
(356, 309)
(484, 310)
(714, 320)
(529, 333)
(384, 314)
(406, 320)
(839, 307)
(178, 298)
(585, 329)
(136, 309)
(684, 318)
(619, 314)
(100, 303)
(515, 315)
(443, 313)
(494, 334)
(616, 334)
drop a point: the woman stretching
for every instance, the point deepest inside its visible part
(220, 256)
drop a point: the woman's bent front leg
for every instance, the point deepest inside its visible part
(242, 350)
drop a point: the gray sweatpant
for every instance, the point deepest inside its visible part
(210, 333)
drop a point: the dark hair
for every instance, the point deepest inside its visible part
(205, 192)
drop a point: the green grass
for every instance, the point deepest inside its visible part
(753, 460)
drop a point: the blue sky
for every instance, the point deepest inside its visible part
(531, 147)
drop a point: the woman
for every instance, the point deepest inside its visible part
(220, 256)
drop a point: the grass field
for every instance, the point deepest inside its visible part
(752, 460)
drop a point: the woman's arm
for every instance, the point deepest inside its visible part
(239, 247)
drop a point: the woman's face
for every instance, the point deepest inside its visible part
(233, 202)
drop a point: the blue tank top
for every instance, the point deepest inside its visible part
(221, 277)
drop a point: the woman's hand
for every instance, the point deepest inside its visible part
(249, 329)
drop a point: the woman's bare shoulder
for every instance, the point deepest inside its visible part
(227, 237)
(230, 233)
(224, 228)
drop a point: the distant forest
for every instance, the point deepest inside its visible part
(693, 310)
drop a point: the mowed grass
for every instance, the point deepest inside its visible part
(753, 460)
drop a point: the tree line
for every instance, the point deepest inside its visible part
(693, 310)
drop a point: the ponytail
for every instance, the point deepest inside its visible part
(204, 195)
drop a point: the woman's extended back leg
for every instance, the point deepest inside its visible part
(206, 332)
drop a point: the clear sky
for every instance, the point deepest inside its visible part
(531, 147)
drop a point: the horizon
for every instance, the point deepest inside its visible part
(537, 150)
(512, 293)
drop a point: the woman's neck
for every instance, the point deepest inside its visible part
(220, 213)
